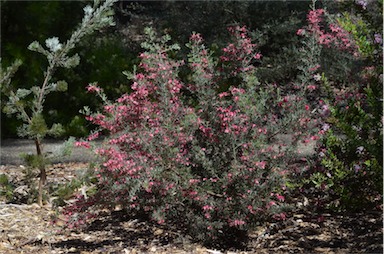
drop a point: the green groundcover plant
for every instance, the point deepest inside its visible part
(197, 143)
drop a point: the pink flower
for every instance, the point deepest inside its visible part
(280, 197)
(314, 68)
(223, 94)
(207, 208)
(314, 16)
(258, 56)
(236, 223)
(315, 137)
(93, 136)
(261, 164)
(193, 193)
(271, 203)
(196, 37)
(83, 144)
(93, 88)
(250, 208)
(193, 181)
(300, 32)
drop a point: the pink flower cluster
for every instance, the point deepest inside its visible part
(332, 36)
(239, 55)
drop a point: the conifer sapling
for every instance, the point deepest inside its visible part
(27, 104)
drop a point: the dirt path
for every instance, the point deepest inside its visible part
(11, 149)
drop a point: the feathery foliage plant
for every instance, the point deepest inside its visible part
(28, 104)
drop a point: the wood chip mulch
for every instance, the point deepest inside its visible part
(29, 229)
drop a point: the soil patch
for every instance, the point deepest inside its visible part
(29, 229)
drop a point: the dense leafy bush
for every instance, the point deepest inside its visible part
(204, 152)
(350, 156)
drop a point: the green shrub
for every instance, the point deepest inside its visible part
(203, 153)
(6, 188)
(350, 157)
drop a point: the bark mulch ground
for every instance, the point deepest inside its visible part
(29, 229)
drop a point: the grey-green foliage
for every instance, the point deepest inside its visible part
(7, 74)
(28, 104)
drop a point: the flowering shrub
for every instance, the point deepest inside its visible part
(351, 154)
(336, 36)
(182, 151)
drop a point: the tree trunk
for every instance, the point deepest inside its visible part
(43, 173)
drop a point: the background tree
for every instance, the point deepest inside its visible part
(23, 22)
(119, 45)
